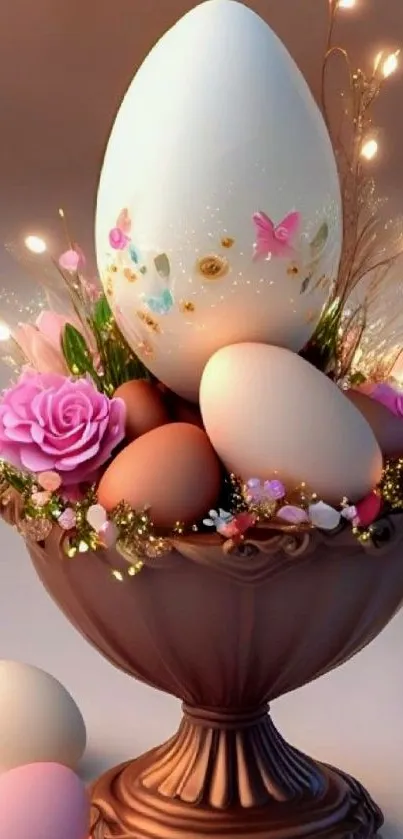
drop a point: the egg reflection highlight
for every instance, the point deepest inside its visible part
(219, 191)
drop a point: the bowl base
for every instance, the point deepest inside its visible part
(212, 783)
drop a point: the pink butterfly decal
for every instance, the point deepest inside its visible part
(275, 240)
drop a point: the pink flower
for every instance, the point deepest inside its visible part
(52, 423)
(72, 260)
(41, 343)
(387, 395)
(118, 239)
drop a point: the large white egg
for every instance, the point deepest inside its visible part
(270, 414)
(218, 147)
(39, 720)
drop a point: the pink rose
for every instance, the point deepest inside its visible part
(118, 239)
(49, 422)
(386, 395)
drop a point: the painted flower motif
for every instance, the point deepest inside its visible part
(118, 240)
(51, 423)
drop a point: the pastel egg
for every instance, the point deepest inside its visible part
(145, 407)
(39, 720)
(269, 414)
(43, 801)
(387, 427)
(205, 238)
(172, 470)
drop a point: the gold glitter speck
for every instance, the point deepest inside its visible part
(130, 275)
(212, 267)
(145, 348)
(109, 287)
(293, 270)
(227, 242)
(186, 306)
(149, 321)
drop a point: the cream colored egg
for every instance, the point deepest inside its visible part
(269, 414)
(218, 213)
(39, 720)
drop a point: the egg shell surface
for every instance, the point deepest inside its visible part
(172, 470)
(269, 414)
(219, 212)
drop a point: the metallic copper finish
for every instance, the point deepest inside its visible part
(227, 634)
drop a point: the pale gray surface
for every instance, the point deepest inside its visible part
(352, 718)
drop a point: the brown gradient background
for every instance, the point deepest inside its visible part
(65, 64)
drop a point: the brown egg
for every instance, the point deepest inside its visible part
(145, 407)
(173, 470)
(183, 411)
(387, 428)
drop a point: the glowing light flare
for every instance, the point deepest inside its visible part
(5, 332)
(35, 244)
(346, 4)
(386, 64)
(390, 64)
(369, 149)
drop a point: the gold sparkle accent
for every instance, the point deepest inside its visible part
(113, 269)
(149, 321)
(35, 530)
(227, 242)
(109, 286)
(118, 576)
(186, 306)
(212, 267)
(130, 275)
(293, 270)
(145, 348)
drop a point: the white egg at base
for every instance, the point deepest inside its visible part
(271, 415)
(39, 720)
(217, 126)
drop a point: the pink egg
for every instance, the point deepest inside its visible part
(43, 801)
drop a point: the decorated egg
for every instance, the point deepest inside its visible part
(269, 414)
(39, 720)
(218, 214)
(145, 407)
(173, 471)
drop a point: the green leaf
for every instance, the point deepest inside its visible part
(102, 313)
(77, 354)
(319, 242)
